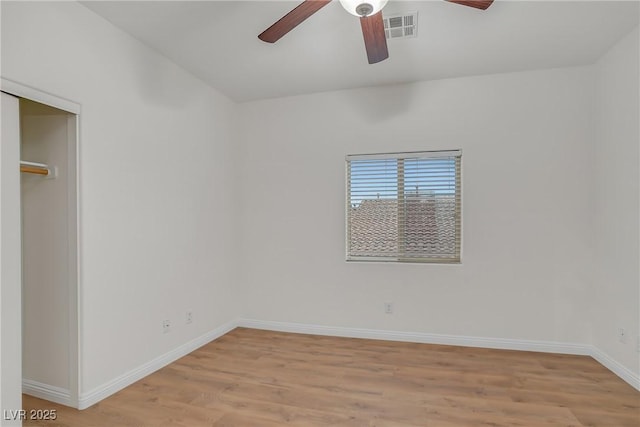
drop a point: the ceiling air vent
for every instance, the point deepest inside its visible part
(401, 26)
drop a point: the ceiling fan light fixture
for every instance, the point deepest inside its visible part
(362, 8)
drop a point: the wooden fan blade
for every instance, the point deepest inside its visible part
(374, 38)
(478, 4)
(292, 19)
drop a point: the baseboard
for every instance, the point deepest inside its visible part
(97, 394)
(47, 392)
(421, 337)
(498, 343)
(94, 396)
(623, 372)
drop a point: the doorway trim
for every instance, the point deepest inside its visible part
(23, 91)
(73, 208)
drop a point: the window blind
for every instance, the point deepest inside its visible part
(404, 207)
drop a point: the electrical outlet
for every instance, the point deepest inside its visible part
(388, 307)
(166, 326)
(189, 317)
(622, 335)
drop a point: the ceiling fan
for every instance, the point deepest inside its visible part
(369, 12)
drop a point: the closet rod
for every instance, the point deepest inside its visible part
(36, 168)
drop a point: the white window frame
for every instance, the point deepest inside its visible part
(456, 258)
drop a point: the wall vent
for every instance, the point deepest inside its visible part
(401, 25)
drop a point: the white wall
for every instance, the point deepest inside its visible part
(526, 141)
(616, 186)
(45, 273)
(157, 206)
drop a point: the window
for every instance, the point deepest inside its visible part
(404, 207)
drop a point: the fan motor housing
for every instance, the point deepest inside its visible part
(364, 9)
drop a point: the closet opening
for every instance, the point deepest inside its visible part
(48, 191)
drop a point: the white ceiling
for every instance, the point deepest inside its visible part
(217, 41)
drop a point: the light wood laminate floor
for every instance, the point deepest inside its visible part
(253, 378)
